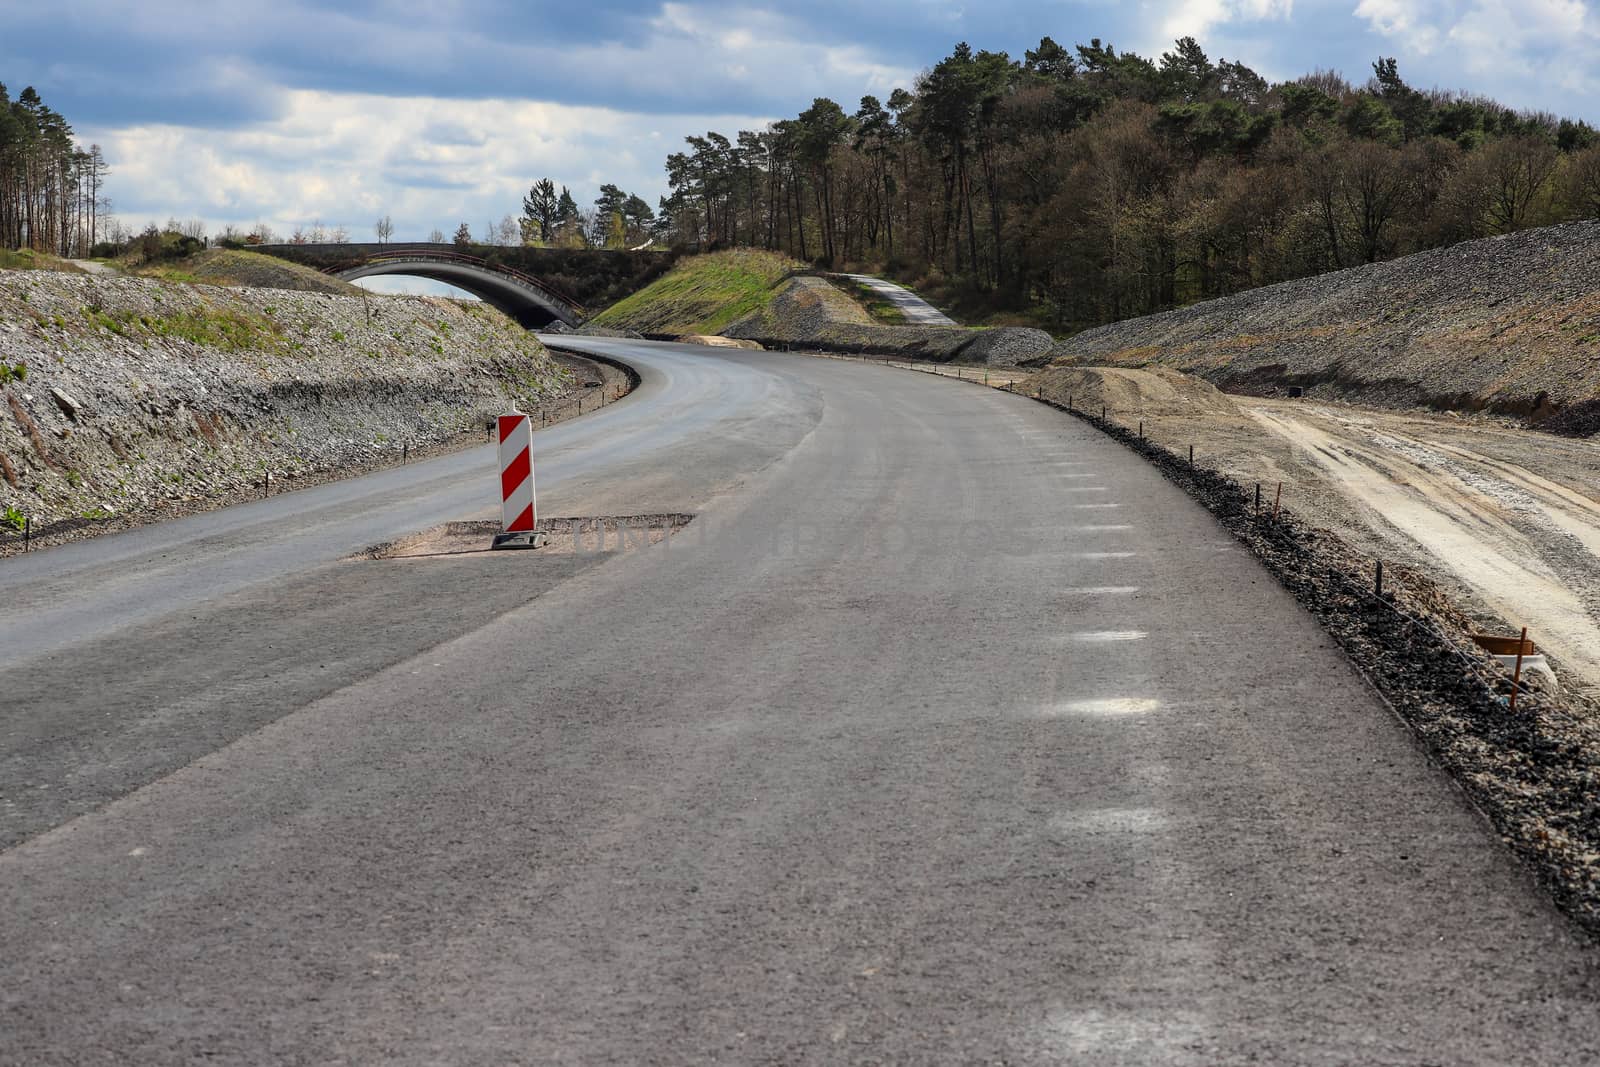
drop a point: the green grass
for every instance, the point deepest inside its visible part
(870, 299)
(703, 294)
(232, 267)
(225, 329)
(28, 259)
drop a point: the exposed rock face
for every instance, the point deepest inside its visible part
(137, 393)
(810, 312)
(1509, 323)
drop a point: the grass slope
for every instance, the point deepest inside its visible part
(230, 267)
(702, 295)
(28, 259)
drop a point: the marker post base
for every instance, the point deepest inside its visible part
(521, 539)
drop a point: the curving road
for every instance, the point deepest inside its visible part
(948, 732)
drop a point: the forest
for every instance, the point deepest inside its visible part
(50, 189)
(1083, 186)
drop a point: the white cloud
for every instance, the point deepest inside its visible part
(1404, 19)
(347, 158)
(1197, 18)
(1517, 48)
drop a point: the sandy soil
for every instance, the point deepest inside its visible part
(1506, 518)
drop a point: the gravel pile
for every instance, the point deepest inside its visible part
(140, 396)
(1535, 771)
(1509, 324)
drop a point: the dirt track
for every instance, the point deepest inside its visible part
(1505, 517)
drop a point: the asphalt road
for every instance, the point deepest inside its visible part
(915, 309)
(948, 732)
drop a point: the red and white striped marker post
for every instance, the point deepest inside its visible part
(517, 499)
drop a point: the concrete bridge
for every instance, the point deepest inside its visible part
(532, 301)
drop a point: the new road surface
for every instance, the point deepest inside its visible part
(947, 732)
(914, 309)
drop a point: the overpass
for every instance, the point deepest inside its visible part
(535, 286)
(534, 303)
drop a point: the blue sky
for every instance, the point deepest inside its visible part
(439, 111)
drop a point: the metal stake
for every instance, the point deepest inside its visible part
(1276, 500)
(405, 452)
(1191, 457)
(1516, 676)
(1378, 582)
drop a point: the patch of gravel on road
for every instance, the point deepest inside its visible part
(1534, 772)
(1507, 324)
(568, 536)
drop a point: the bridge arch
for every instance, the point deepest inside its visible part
(525, 298)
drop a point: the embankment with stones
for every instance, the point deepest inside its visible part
(811, 313)
(130, 395)
(1507, 324)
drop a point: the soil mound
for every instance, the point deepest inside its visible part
(1151, 392)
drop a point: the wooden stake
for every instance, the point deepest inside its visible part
(1378, 583)
(1191, 457)
(1258, 498)
(1141, 429)
(1516, 676)
(1276, 500)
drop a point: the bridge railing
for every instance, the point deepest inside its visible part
(551, 291)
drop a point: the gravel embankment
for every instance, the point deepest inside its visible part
(145, 397)
(1509, 324)
(1534, 772)
(811, 313)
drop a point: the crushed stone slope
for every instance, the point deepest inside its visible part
(1509, 324)
(135, 394)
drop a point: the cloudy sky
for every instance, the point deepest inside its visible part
(439, 111)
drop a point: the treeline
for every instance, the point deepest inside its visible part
(1086, 186)
(618, 219)
(50, 189)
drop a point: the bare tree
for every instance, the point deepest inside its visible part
(384, 229)
(339, 236)
(1583, 183)
(1518, 169)
(436, 237)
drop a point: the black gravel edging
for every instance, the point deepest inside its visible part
(1534, 773)
(626, 369)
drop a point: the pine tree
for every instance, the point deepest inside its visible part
(539, 212)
